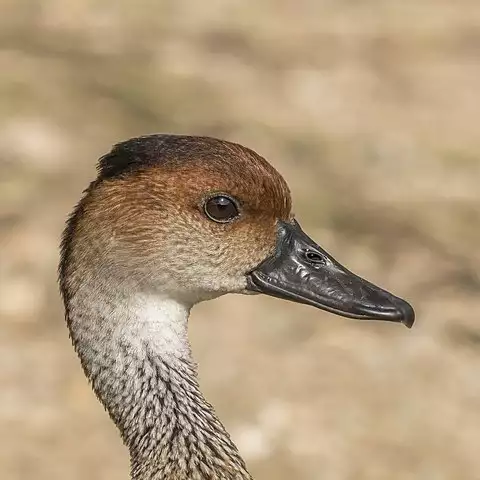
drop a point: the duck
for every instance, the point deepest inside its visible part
(171, 221)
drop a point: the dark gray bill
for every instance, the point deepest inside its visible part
(303, 272)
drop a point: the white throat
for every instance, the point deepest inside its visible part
(159, 322)
(115, 333)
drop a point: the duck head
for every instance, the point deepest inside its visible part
(192, 218)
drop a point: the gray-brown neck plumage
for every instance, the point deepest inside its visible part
(136, 354)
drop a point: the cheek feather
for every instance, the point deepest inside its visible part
(250, 243)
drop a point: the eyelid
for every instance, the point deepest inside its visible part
(238, 203)
(220, 193)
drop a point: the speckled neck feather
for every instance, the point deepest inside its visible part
(145, 377)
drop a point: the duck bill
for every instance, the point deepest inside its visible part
(303, 272)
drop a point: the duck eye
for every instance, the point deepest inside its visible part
(221, 209)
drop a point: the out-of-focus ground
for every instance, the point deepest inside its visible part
(370, 109)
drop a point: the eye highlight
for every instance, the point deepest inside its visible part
(221, 208)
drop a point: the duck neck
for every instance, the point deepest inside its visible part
(137, 356)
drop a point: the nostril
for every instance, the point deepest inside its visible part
(314, 258)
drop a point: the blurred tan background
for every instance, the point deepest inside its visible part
(370, 109)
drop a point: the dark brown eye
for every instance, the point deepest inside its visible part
(221, 209)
